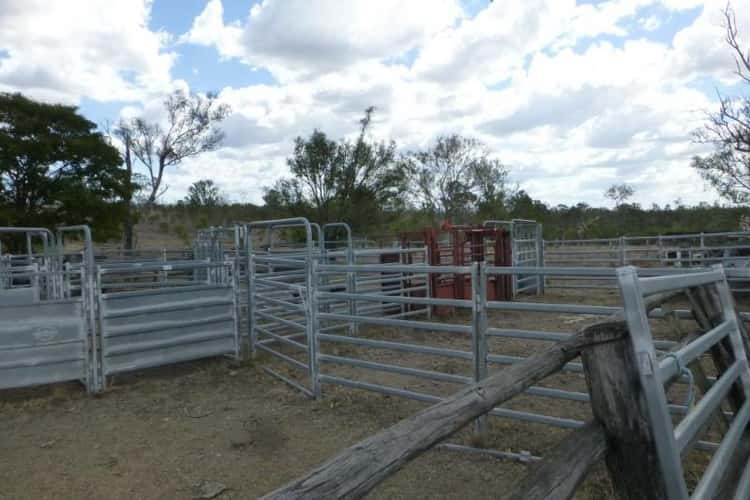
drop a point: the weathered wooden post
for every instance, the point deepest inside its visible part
(558, 475)
(618, 403)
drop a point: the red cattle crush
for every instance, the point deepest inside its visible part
(460, 246)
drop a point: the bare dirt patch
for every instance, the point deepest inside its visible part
(229, 430)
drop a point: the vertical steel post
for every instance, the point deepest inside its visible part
(234, 282)
(402, 282)
(651, 382)
(29, 248)
(539, 259)
(237, 283)
(313, 324)
(514, 248)
(428, 281)
(163, 273)
(252, 336)
(97, 341)
(351, 278)
(324, 280)
(660, 249)
(478, 330)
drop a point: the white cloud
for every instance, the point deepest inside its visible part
(492, 46)
(560, 91)
(650, 23)
(569, 112)
(700, 49)
(209, 29)
(295, 38)
(62, 51)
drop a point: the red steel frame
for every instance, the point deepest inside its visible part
(467, 244)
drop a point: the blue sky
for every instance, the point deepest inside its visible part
(573, 96)
(198, 65)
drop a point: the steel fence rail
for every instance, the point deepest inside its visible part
(333, 313)
(681, 251)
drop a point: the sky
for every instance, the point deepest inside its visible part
(572, 96)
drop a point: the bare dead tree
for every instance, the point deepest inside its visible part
(741, 58)
(124, 134)
(191, 129)
(728, 168)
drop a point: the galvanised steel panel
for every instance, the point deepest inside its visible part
(19, 296)
(158, 327)
(42, 343)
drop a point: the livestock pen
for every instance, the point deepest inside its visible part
(360, 330)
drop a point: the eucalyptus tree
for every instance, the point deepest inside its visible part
(55, 167)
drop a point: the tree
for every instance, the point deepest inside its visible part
(131, 216)
(287, 197)
(619, 193)
(316, 164)
(523, 206)
(191, 129)
(55, 168)
(341, 180)
(728, 130)
(204, 193)
(455, 176)
(370, 178)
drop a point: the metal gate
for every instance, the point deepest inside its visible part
(527, 252)
(43, 343)
(281, 317)
(174, 321)
(674, 441)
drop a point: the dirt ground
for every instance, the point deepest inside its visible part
(219, 429)
(171, 433)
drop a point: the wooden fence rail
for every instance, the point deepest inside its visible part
(355, 471)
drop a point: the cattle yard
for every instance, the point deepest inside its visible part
(200, 364)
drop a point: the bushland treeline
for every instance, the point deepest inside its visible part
(559, 222)
(58, 167)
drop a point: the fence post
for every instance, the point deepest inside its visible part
(163, 274)
(428, 282)
(539, 259)
(96, 347)
(618, 403)
(623, 257)
(660, 249)
(513, 259)
(352, 282)
(251, 333)
(29, 248)
(479, 330)
(402, 282)
(313, 324)
(235, 284)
